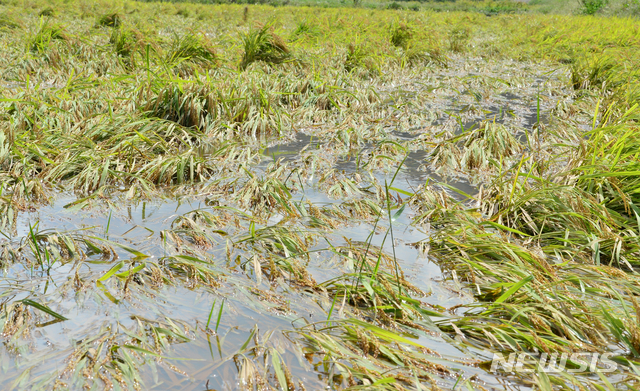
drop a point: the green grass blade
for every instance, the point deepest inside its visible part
(114, 269)
(514, 289)
(43, 308)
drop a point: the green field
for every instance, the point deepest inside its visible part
(334, 196)
(621, 8)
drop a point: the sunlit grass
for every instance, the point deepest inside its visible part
(113, 106)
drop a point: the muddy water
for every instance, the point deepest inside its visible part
(254, 311)
(99, 311)
(105, 311)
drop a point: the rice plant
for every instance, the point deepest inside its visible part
(192, 48)
(359, 56)
(305, 29)
(401, 35)
(126, 41)
(46, 34)
(6, 22)
(262, 44)
(459, 38)
(47, 12)
(109, 20)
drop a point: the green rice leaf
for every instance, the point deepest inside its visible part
(398, 213)
(408, 194)
(386, 380)
(504, 228)
(382, 333)
(514, 289)
(131, 271)
(277, 366)
(43, 308)
(128, 249)
(111, 271)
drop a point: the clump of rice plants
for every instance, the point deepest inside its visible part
(262, 44)
(45, 35)
(489, 142)
(609, 173)
(47, 12)
(417, 54)
(422, 50)
(184, 12)
(5, 151)
(125, 40)
(189, 106)
(593, 73)
(305, 29)
(401, 35)
(368, 349)
(191, 47)
(8, 23)
(459, 38)
(110, 20)
(359, 56)
(355, 57)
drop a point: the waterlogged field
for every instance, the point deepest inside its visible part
(227, 197)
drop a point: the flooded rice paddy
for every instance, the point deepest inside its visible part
(292, 234)
(256, 309)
